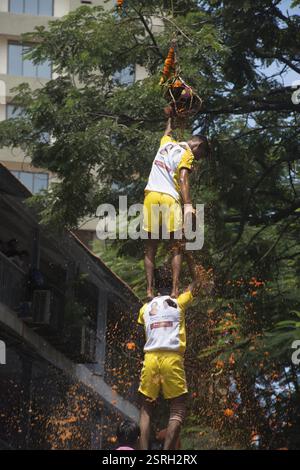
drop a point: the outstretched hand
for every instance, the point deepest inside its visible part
(169, 111)
(202, 279)
(174, 42)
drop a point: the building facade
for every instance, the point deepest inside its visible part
(66, 374)
(18, 17)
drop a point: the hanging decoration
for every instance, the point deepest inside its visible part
(181, 97)
(121, 7)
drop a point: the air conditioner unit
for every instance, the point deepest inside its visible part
(41, 307)
(88, 344)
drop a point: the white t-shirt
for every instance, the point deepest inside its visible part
(165, 325)
(171, 157)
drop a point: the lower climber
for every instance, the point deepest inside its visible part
(164, 321)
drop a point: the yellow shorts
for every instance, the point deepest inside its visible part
(163, 369)
(161, 209)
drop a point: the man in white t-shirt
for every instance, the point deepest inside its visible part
(167, 185)
(163, 319)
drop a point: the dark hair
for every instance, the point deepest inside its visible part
(128, 432)
(162, 278)
(204, 140)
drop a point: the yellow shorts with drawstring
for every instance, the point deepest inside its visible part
(163, 370)
(161, 209)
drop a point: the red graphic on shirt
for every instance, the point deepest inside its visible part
(162, 165)
(161, 324)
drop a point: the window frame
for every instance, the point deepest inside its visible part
(16, 43)
(45, 137)
(12, 106)
(30, 14)
(33, 174)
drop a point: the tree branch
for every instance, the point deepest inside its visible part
(275, 217)
(150, 33)
(289, 63)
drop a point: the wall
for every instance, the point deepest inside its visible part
(3, 5)
(61, 7)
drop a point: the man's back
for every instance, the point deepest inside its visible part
(164, 321)
(170, 158)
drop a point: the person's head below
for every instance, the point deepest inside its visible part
(163, 280)
(128, 434)
(200, 147)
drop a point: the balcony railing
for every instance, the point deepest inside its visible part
(12, 283)
(44, 310)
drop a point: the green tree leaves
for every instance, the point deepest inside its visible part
(103, 139)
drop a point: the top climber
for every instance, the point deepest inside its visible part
(168, 183)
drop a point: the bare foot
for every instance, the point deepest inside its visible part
(174, 294)
(150, 295)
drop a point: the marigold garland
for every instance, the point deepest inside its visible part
(120, 6)
(182, 99)
(169, 66)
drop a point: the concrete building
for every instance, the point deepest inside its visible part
(66, 373)
(18, 17)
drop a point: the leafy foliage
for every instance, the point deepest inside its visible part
(104, 137)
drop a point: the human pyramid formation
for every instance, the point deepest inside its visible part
(163, 315)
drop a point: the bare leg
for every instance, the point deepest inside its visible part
(150, 252)
(178, 405)
(145, 424)
(172, 435)
(176, 251)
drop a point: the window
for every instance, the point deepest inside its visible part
(18, 65)
(126, 76)
(13, 111)
(35, 182)
(32, 7)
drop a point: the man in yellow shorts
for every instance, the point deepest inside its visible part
(168, 183)
(163, 319)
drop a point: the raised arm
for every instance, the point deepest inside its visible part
(185, 299)
(169, 127)
(201, 278)
(195, 285)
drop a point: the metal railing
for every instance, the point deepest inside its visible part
(45, 308)
(12, 282)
